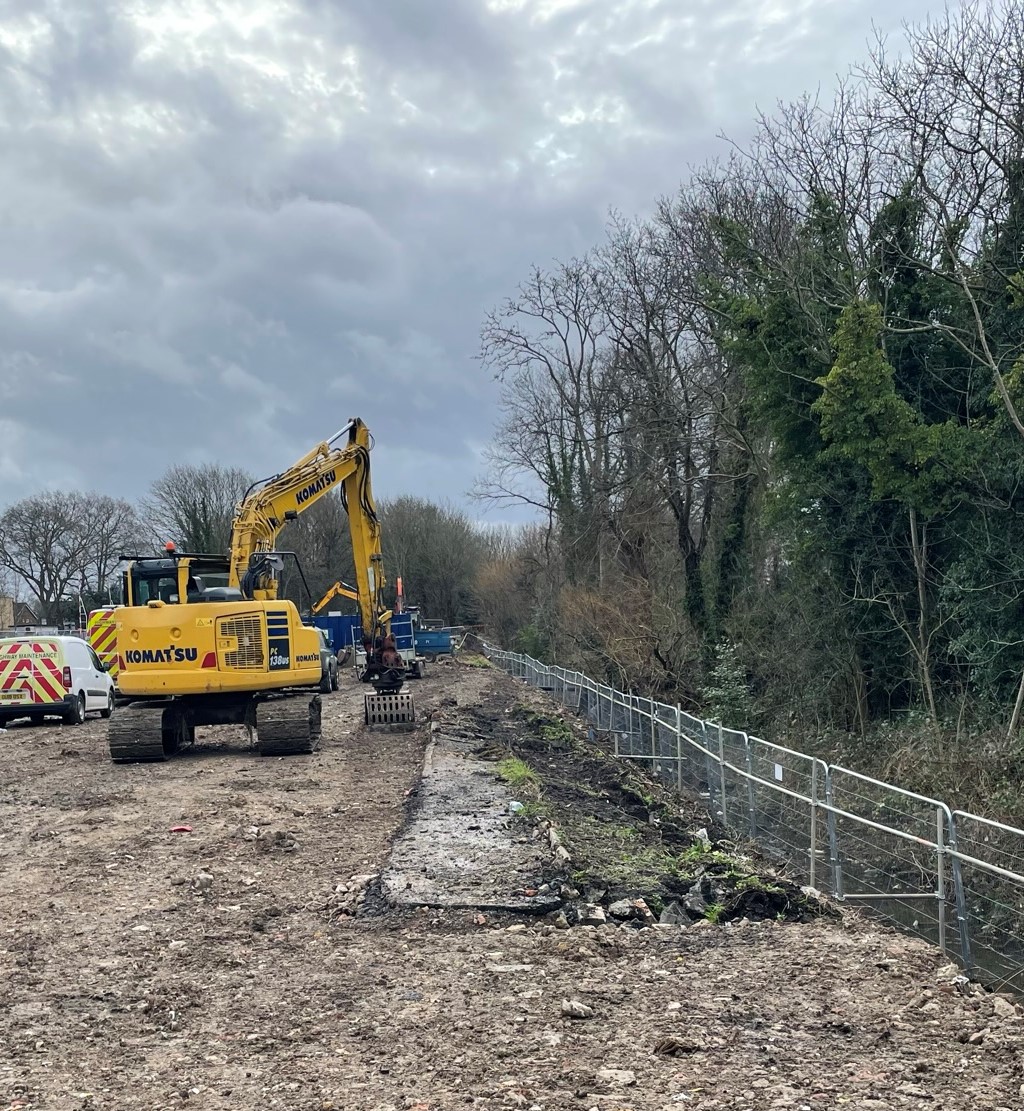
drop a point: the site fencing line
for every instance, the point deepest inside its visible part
(946, 875)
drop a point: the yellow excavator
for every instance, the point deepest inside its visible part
(205, 639)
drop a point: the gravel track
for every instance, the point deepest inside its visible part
(144, 969)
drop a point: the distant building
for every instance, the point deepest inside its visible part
(20, 617)
(25, 616)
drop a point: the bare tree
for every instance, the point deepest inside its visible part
(683, 436)
(517, 587)
(548, 346)
(114, 529)
(436, 551)
(953, 117)
(46, 540)
(194, 505)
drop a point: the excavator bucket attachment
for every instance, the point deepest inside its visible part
(391, 712)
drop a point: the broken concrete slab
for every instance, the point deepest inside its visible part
(463, 848)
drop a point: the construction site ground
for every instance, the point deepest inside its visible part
(221, 932)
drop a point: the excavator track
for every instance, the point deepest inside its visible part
(141, 733)
(287, 727)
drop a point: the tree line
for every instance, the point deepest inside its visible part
(776, 428)
(62, 548)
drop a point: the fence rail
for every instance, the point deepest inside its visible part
(945, 875)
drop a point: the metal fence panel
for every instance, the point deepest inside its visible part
(952, 878)
(989, 857)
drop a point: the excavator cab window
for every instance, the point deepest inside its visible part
(164, 588)
(154, 583)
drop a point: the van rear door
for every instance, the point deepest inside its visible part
(32, 674)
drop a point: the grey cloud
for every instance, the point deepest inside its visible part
(228, 244)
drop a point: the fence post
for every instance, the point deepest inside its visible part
(963, 920)
(721, 771)
(940, 876)
(654, 737)
(751, 796)
(814, 824)
(833, 836)
(679, 748)
(709, 765)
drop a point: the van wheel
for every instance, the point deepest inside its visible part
(334, 679)
(76, 715)
(110, 706)
(325, 683)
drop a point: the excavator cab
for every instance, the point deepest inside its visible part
(175, 577)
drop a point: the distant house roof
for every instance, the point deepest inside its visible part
(24, 614)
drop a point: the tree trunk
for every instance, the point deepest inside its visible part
(919, 545)
(1017, 707)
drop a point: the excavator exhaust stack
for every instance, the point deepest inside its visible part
(393, 712)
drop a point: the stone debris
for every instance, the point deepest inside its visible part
(610, 1079)
(573, 1008)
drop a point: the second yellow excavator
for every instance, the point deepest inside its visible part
(205, 640)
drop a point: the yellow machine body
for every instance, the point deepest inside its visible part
(214, 647)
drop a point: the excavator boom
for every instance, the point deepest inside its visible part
(340, 463)
(268, 507)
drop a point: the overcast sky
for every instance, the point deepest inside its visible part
(229, 225)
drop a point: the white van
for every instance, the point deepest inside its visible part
(43, 676)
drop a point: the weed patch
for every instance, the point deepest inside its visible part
(517, 774)
(471, 659)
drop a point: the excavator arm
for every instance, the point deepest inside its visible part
(270, 505)
(339, 590)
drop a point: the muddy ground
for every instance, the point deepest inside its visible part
(220, 968)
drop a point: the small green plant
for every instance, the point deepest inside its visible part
(552, 730)
(714, 912)
(517, 773)
(531, 812)
(557, 734)
(697, 851)
(755, 883)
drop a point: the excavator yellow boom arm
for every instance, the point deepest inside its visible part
(339, 590)
(268, 507)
